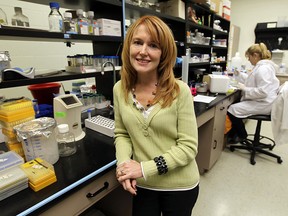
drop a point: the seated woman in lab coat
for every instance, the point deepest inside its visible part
(259, 90)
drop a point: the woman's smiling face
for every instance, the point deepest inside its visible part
(145, 53)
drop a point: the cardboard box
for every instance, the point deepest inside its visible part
(109, 27)
(227, 3)
(220, 11)
(174, 8)
(226, 13)
(215, 5)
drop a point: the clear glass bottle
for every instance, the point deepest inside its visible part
(3, 18)
(66, 141)
(69, 24)
(82, 22)
(55, 18)
(19, 19)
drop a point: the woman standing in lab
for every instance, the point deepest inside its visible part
(259, 90)
(155, 126)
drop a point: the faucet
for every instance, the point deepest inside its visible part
(113, 66)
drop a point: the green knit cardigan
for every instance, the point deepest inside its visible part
(170, 132)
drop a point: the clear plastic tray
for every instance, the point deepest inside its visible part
(12, 177)
(13, 189)
(10, 159)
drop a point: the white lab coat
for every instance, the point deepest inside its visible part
(279, 116)
(261, 86)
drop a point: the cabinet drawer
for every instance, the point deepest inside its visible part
(78, 201)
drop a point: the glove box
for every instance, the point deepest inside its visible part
(218, 83)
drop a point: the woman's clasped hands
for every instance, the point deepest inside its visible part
(127, 173)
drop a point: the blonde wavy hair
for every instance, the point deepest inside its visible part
(260, 49)
(167, 88)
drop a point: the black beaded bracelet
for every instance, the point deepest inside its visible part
(161, 165)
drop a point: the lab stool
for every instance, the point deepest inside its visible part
(256, 145)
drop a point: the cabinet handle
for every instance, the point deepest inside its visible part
(106, 185)
(222, 108)
(215, 144)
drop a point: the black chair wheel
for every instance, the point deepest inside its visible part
(271, 148)
(279, 160)
(253, 162)
(232, 148)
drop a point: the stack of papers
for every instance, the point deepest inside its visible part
(203, 98)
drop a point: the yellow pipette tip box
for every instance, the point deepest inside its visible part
(16, 110)
(15, 104)
(43, 184)
(38, 171)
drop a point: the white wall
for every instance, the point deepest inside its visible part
(246, 14)
(44, 56)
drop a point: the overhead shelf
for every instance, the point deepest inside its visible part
(219, 63)
(199, 64)
(217, 32)
(198, 45)
(219, 47)
(136, 11)
(53, 78)
(270, 27)
(61, 76)
(270, 34)
(43, 35)
(221, 18)
(201, 27)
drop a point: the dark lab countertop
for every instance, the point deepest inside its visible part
(202, 107)
(95, 156)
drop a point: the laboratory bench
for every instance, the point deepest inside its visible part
(94, 160)
(88, 177)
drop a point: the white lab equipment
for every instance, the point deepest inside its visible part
(219, 83)
(67, 110)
